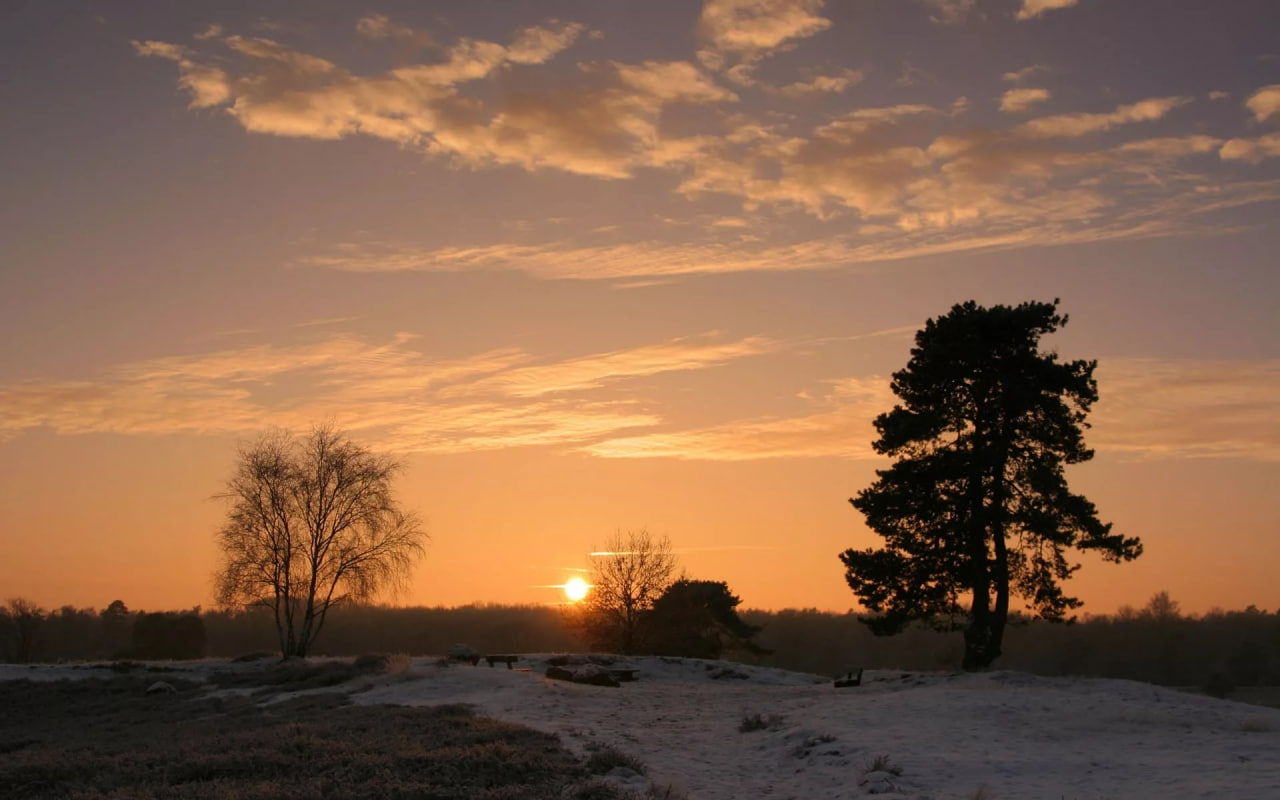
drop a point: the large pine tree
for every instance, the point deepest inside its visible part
(976, 507)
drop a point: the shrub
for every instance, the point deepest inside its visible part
(607, 758)
(759, 722)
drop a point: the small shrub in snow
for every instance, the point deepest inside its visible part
(882, 764)
(607, 758)
(759, 722)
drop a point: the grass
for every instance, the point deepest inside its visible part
(98, 738)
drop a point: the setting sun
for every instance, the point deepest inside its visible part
(575, 589)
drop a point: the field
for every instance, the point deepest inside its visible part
(416, 728)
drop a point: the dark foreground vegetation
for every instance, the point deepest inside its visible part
(1223, 651)
(99, 738)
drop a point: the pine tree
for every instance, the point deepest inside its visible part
(976, 505)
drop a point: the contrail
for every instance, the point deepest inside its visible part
(599, 553)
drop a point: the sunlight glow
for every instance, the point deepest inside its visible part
(575, 589)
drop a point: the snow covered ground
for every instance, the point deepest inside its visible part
(1009, 734)
(1018, 735)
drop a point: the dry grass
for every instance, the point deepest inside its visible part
(98, 738)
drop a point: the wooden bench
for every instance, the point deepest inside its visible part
(852, 678)
(503, 659)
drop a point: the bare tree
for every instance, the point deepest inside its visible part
(312, 524)
(20, 620)
(627, 576)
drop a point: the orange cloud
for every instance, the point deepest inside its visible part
(1251, 150)
(1031, 9)
(1265, 103)
(751, 29)
(842, 429)
(1018, 100)
(393, 394)
(1167, 408)
(1072, 125)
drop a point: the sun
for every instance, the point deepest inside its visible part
(575, 589)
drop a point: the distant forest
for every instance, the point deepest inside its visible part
(1217, 651)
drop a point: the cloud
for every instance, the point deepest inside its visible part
(1149, 409)
(1031, 9)
(747, 30)
(1074, 125)
(1265, 103)
(821, 84)
(1187, 409)
(840, 428)
(1024, 73)
(950, 12)
(977, 204)
(380, 26)
(390, 392)
(594, 371)
(1015, 101)
(1251, 150)
(207, 85)
(604, 125)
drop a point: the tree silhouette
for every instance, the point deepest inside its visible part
(697, 619)
(977, 503)
(21, 621)
(312, 524)
(626, 578)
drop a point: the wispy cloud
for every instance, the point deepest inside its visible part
(389, 391)
(1181, 408)
(889, 181)
(839, 428)
(1071, 125)
(1149, 409)
(1031, 9)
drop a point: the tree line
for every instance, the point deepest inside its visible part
(1156, 643)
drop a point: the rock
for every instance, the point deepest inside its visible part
(161, 687)
(559, 673)
(589, 674)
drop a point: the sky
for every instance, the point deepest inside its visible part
(596, 266)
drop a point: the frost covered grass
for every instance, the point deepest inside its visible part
(108, 738)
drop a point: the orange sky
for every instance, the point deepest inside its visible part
(596, 266)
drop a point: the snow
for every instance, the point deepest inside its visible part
(898, 735)
(948, 735)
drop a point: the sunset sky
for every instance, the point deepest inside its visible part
(599, 265)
